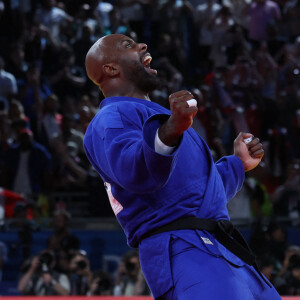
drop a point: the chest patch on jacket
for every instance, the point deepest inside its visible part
(115, 205)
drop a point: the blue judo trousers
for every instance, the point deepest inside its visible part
(148, 190)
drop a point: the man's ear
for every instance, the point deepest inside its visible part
(111, 69)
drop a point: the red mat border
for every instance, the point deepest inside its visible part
(97, 298)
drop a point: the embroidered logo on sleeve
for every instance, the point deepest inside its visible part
(115, 205)
(206, 240)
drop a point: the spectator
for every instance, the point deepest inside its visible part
(101, 284)
(62, 239)
(130, 280)
(16, 113)
(289, 282)
(52, 17)
(40, 279)
(205, 15)
(3, 257)
(81, 274)
(286, 198)
(70, 134)
(32, 95)
(264, 17)
(52, 119)
(27, 165)
(8, 83)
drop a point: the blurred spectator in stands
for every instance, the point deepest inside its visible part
(83, 43)
(5, 129)
(3, 257)
(25, 225)
(17, 121)
(40, 47)
(222, 29)
(101, 284)
(295, 136)
(199, 123)
(265, 265)
(205, 15)
(289, 282)
(15, 62)
(27, 165)
(261, 205)
(86, 114)
(132, 12)
(32, 94)
(8, 83)
(102, 11)
(52, 119)
(118, 24)
(239, 207)
(70, 134)
(130, 280)
(81, 274)
(291, 250)
(40, 279)
(67, 79)
(90, 100)
(177, 21)
(291, 16)
(243, 82)
(267, 68)
(278, 242)
(286, 198)
(167, 61)
(62, 238)
(264, 16)
(70, 169)
(52, 17)
(85, 16)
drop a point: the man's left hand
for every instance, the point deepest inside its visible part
(250, 153)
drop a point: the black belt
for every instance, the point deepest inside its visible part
(224, 232)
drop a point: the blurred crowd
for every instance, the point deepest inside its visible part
(63, 268)
(240, 59)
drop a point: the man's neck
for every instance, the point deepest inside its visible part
(117, 89)
(132, 95)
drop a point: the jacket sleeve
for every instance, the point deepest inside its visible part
(123, 150)
(232, 173)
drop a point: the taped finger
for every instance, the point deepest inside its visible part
(191, 103)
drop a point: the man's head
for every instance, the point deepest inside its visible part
(121, 67)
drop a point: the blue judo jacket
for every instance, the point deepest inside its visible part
(148, 190)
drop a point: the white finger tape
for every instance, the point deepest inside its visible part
(248, 140)
(191, 102)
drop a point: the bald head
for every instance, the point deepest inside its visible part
(121, 67)
(104, 51)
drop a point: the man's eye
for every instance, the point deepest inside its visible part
(128, 45)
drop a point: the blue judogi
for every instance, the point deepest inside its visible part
(148, 190)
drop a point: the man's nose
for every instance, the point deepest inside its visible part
(142, 47)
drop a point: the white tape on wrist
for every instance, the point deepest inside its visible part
(192, 102)
(248, 140)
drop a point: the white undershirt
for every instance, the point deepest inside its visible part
(160, 147)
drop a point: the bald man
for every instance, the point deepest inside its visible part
(165, 189)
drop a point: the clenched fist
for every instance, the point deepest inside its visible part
(250, 153)
(181, 118)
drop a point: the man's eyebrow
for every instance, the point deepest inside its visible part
(128, 41)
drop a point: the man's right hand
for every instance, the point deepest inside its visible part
(180, 120)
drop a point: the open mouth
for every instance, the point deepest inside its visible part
(146, 62)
